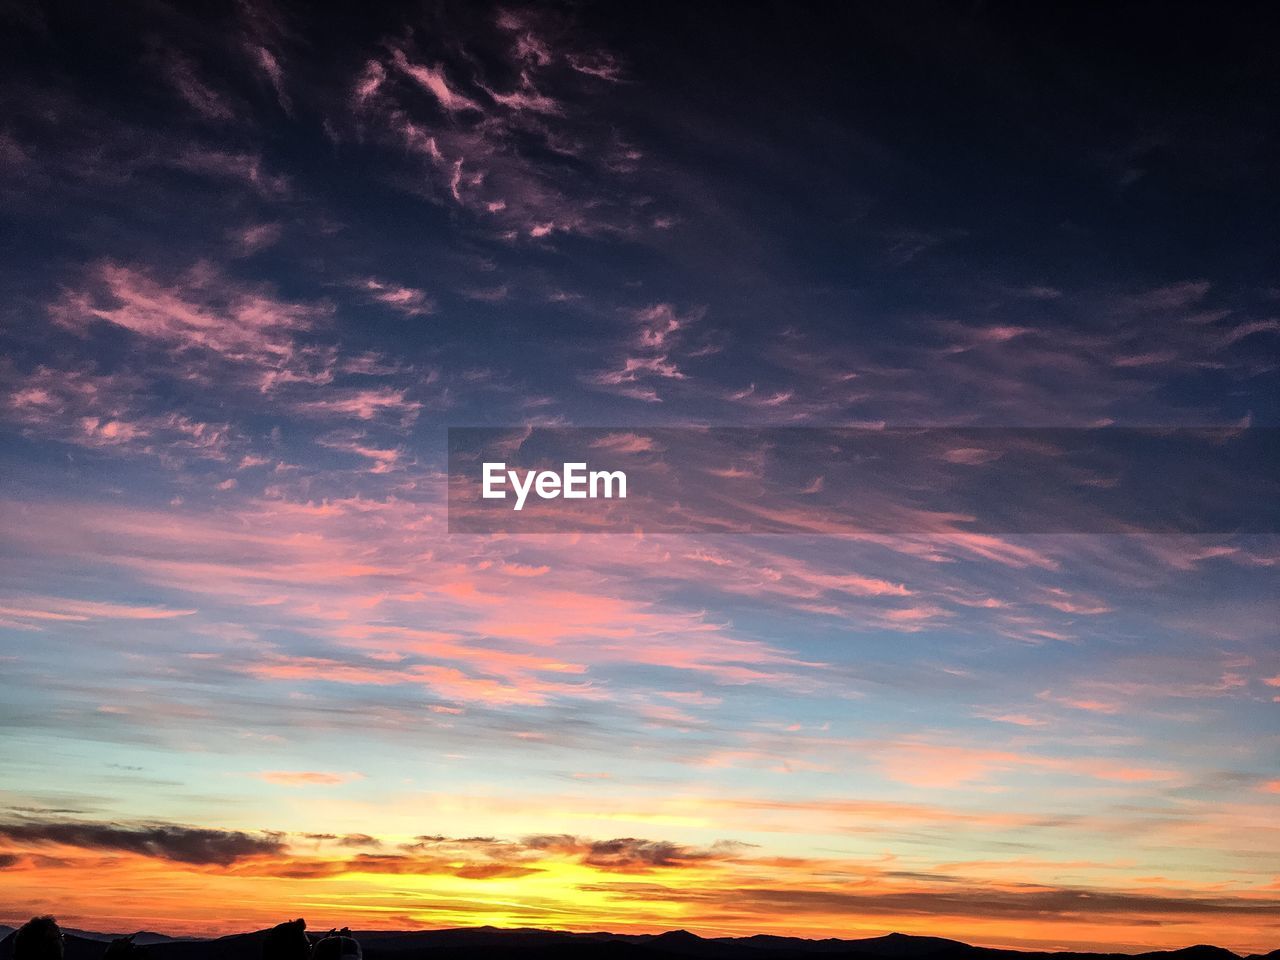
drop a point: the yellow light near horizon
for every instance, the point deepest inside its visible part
(749, 896)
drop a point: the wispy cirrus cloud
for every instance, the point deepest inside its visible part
(527, 155)
(109, 412)
(307, 778)
(31, 610)
(409, 301)
(651, 353)
(203, 319)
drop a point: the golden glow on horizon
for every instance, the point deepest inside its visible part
(739, 894)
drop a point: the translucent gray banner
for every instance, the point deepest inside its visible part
(864, 481)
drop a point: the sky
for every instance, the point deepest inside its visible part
(258, 259)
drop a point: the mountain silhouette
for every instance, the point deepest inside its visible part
(141, 937)
(463, 943)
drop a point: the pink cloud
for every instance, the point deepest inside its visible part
(625, 443)
(255, 237)
(649, 355)
(207, 102)
(1061, 600)
(202, 313)
(385, 459)
(40, 608)
(307, 778)
(107, 412)
(366, 404)
(1078, 703)
(658, 324)
(451, 683)
(246, 168)
(490, 156)
(406, 300)
(526, 97)
(1016, 719)
(927, 764)
(433, 80)
(274, 73)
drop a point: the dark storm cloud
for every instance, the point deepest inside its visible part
(181, 844)
(344, 840)
(629, 853)
(487, 858)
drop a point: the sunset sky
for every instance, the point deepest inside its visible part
(257, 260)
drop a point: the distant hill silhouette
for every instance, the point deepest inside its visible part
(140, 937)
(464, 943)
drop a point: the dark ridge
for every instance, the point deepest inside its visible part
(902, 945)
(766, 941)
(463, 943)
(1201, 951)
(141, 937)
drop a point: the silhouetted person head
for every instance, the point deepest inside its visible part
(287, 941)
(40, 938)
(337, 945)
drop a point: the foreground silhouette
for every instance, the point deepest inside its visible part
(287, 941)
(337, 945)
(123, 948)
(290, 941)
(40, 938)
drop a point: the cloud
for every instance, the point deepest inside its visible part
(947, 765)
(384, 459)
(433, 80)
(1042, 903)
(207, 102)
(531, 158)
(1175, 296)
(203, 318)
(345, 840)
(35, 609)
(363, 404)
(307, 778)
(112, 413)
(256, 237)
(246, 168)
(406, 300)
(629, 855)
(490, 858)
(272, 70)
(650, 353)
(180, 844)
